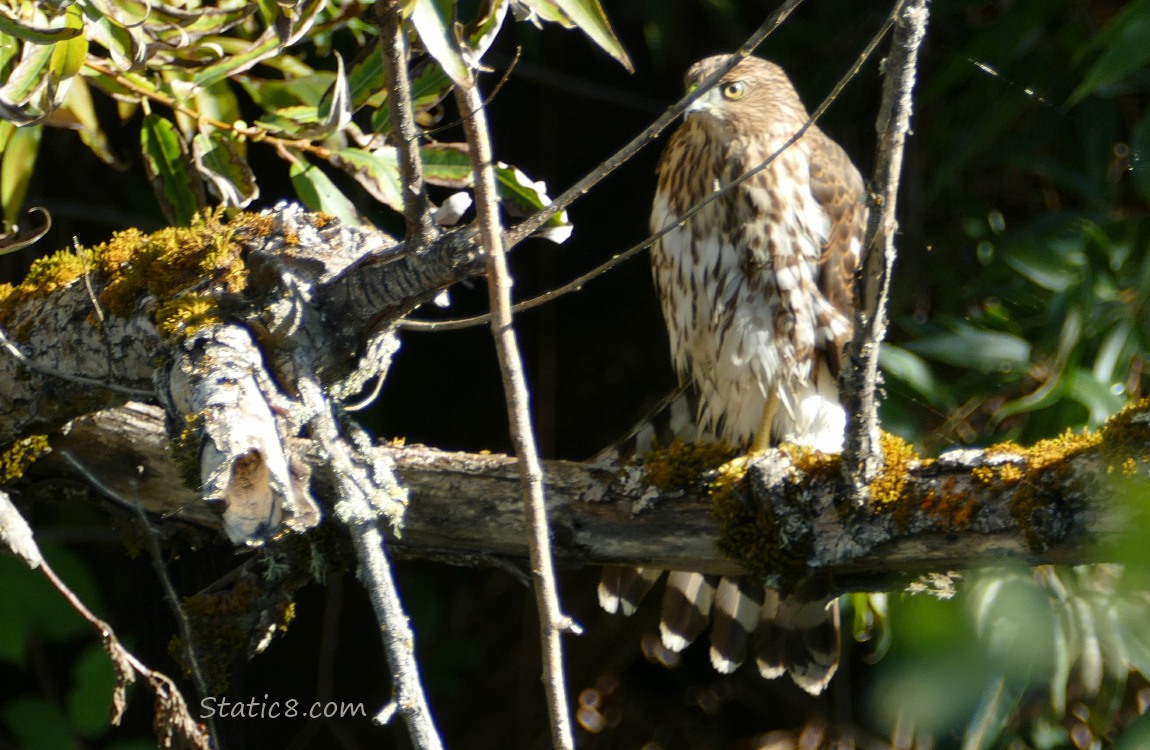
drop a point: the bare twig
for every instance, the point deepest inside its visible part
(155, 553)
(552, 621)
(421, 230)
(862, 457)
(174, 726)
(358, 510)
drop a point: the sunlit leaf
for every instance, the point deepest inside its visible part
(588, 15)
(35, 34)
(449, 165)
(319, 193)
(68, 55)
(274, 94)
(126, 45)
(482, 36)
(335, 105)
(22, 94)
(19, 159)
(367, 78)
(177, 188)
(437, 38)
(218, 159)
(21, 238)
(377, 171)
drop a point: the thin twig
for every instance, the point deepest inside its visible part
(355, 510)
(552, 621)
(421, 230)
(577, 283)
(862, 457)
(156, 554)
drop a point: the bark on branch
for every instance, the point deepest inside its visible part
(1048, 504)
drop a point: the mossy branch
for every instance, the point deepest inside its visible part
(1060, 501)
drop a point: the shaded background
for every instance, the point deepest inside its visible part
(1022, 246)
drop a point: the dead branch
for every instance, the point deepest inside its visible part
(862, 456)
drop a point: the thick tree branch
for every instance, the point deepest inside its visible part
(862, 456)
(967, 509)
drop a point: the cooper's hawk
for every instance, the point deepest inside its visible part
(756, 293)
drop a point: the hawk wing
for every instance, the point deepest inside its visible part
(838, 188)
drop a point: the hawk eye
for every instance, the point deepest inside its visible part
(734, 90)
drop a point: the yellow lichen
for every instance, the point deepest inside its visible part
(1010, 473)
(812, 462)
(983, 474)
(680, 465)
(187, 314)
(890, 485)
(20, 455)
(202, 259)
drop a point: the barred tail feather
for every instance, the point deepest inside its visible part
(686, 608)
(733, 618)
(621, 589)
(799, 634)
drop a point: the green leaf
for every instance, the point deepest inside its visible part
(449, 165)
(377, 171)
(368, 78)
(1140, 163)
(482, 36)
(429, 86)
(36, 724)
(588, 15)
(523, 197)
(90, 696)
(1126, 54)
(78, 113)
(972, 348)
(127, 46)
(27, 81)
(274, 94)
(36, 34)
(437, 38)
(911, 369)
(176, 186)
(319, 193)
(218, 159)
(68, 56)
(335, 105)
(19, 160)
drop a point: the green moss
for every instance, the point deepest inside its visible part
(186, 451)
(20, 455)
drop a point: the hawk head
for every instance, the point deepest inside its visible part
(755, 92)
